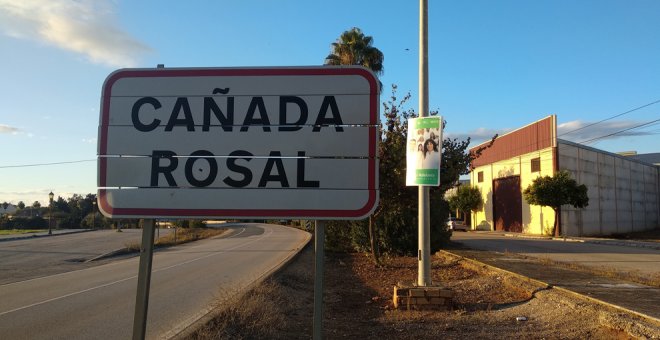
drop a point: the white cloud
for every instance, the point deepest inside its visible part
(579, 131)
(477, 136)
(9, 129)
(87, 27)
(89, 140)
(29, 196)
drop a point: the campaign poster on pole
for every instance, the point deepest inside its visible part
(424, 147)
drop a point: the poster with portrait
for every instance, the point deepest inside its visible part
(424, 147)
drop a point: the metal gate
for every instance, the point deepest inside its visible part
(507, 204)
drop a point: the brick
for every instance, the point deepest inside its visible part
(417, 292)
(438, 301)
(398, 291)
(446, 293)
(422, 298)
(420, 301)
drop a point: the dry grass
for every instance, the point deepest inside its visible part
(132, 246)
(358, 305)
(185, 235)
(258, 314)
(280, 307)
(182, 236)
(20, 231)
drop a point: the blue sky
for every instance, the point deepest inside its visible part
(494, 66)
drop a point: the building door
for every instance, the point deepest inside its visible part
(507, 204)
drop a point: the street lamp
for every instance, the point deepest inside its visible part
(50, 211)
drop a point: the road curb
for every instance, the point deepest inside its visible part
(558, 288)
(607, 241)
(611, 305)
(648, 245)
(112, 253)
(27, 237)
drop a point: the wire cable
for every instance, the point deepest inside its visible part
(46, 164)
(615, 116)
(651, 123)
(620, 131)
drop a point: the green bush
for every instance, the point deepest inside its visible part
(24, 223)
(95, 221)
(189, 224)
(397, 231)
(197, 224)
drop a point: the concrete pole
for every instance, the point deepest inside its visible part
(424, 212)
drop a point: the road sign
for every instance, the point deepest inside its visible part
(239, 143)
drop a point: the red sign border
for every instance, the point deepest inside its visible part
(372, 201)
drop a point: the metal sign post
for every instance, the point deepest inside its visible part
(319, 250)
(144, 280)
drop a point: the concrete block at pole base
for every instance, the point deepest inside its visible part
(423, 298)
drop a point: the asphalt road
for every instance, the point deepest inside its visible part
(98, 302)
(621, 258)
(48, 255)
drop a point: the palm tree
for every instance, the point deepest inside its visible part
(355, 48)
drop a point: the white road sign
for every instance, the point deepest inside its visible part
(239, 143)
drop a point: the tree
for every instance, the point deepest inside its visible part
(556, 191)
(399, 203)
(78, 207)
(397, 211)
(21, 205)
(95, 220)
(395, 220)
(60, 204)
(5, 205)
(36, 205)
(467, 198)
(355, 48)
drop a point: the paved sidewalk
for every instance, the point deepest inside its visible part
(594, 240)
(629, 296)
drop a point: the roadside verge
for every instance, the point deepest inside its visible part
(188, 327)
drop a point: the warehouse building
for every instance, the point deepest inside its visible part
(624, 192)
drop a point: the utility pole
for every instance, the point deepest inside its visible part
(424, 211)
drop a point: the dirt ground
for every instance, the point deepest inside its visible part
(358, 305)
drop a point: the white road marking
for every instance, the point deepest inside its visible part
(132, 277)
